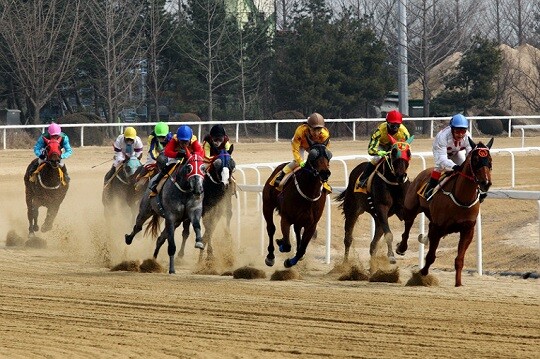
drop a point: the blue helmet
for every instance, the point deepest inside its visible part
(184, 133)
(459, 121)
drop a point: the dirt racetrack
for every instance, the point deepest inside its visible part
(64, 301)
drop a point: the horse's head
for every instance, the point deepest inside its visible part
(318, 161)
(53, 150)
(131, 166)
(222, 167)
(478, 164)
(400, 155)
(192, 174)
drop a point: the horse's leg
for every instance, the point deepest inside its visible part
(171, 250)
(284, 244)
(375, 240)
(32, 214)
(268, 213)
(209, 221)
(465, 239)
(185, 236)
(435, 234)
(298, 236)
(408, 218)
(159, 242)
(388, 236)
(141, 218)
(195, 216)
(52, 211)
(350, 223)
(301, 249)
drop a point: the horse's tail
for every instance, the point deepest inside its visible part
(153, 226)
(341, 197)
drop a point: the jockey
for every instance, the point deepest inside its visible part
(126, 146)
(380, 144)
(214, 142)
(313, 129)
(177, 150)
(450, 148)
(53, 132)
(157, 141)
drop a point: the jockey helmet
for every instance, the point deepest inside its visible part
(54, 129)
(315, 120)
(459, 121)
(184, 133)
(217, 131)
(394, 117)
(161, 129)
(130, 132)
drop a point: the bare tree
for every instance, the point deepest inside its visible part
(209, 46)
(160, 33)
(39, 40)
(114, 34)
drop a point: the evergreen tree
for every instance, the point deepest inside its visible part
(473, 85)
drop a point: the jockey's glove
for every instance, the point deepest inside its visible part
(456, 168)
(42, 157)
(181, 153)
(381, 153)
(302, 164)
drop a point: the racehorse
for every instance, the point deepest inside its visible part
(121, 187)
(48, 188)
(300, 203)
(180, 200)
(453, 208)
(218, 190)
(382, 198)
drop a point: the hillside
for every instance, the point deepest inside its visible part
(520, 75)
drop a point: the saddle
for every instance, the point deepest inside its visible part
(34, 175)
(164, 179)
(444, 178)
(289, 175)
(358, 188)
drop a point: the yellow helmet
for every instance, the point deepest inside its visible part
(130, 132)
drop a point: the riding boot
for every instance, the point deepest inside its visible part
(429, 188)
(365, 175)
(279, 178)
(155, 182)
(66, 175)
(109, 175)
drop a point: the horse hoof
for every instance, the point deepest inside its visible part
(269, 262)
(423, 239)
(283, 247)
(35, 228)
(199, 244)
(289, 262)
(392, 260)
(46, 228)
(129, 239)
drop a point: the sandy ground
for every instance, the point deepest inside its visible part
(63, 300)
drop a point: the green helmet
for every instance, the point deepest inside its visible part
(161, 129)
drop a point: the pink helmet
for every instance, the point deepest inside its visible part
(54, 129)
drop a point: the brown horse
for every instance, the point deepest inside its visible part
(47, 189)
(382, 199)
(454, 208)
(300, 203)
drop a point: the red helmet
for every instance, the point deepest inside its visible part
(394, 117)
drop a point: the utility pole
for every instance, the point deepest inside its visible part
(403, 78)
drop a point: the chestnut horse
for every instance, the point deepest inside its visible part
(382, 198)
(180, 200)
(300, 203)
(47, 190)
(453, 208)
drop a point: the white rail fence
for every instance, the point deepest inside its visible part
(200, 125)
(261, 169)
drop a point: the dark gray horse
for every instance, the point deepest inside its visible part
(219, 189)
(180, 200)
